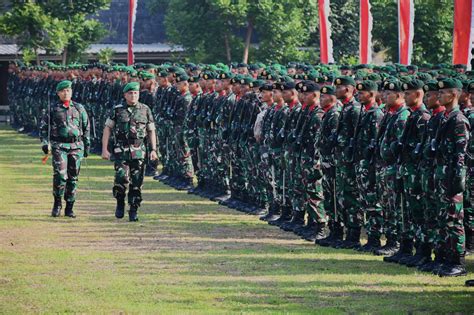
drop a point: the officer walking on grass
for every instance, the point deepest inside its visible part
(64, 131)
(132, 125)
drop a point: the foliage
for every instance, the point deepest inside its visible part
(105, 55)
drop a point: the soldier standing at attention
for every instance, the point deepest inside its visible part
(65, 132)
(450, 173)
(132, 125)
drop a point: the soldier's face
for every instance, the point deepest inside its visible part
(463, 99)
(65, 94)
(446, 97)
(193, 87)
(431, 99)
(132, 97)
(341, 91)
(311, 97)
(326, 100)
(365, 97)
(412, 97)
(288, 95)
(277, 96)
(392, 98)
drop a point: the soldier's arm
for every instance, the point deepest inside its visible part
(461, 137)
(85, 129)
(45, 128)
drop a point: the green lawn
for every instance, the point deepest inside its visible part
(186, 255)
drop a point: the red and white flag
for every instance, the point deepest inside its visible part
(406, 19)
(365, 33)
(325, 32)
(463, 31)
(132, 14)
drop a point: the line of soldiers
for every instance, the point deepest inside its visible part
(321, 150)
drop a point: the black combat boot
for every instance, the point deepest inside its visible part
(68, 211)
(469, 242)
(326, 240)
(422, 256)
(120, 209)
(272, 214)
(391, 247)
(186, 185)
(56, 211)
(307, 231)
(435, 265)
(373, 243)
(296, 221)
(406, 249)
(285, 216)
(352, 239)
(320, 232)
(470, 283)
(455, 267)
(132, 214)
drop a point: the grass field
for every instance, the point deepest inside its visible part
(186, 255)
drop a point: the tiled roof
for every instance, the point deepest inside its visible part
(12, 49)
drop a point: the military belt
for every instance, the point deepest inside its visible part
(66, 139)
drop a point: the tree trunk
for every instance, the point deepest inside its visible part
(247, 41)
(64, 56)
(37, 57)
(227, 48)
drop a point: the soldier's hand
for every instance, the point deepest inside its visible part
(153, 155)
(105, 155)
(45, 149)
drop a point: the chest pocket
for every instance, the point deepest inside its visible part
(138, 125)
(123, 125)
(59, 117)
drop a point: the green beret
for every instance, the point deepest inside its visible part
(194, 79)
(182, 77)
(209, 75)
(424, 76)
(449, 83)
(470, 87)
(63, 85)
(374, 77)
(246, 80)
(395, 86)
(147, 75)
(460, 66)
(367, 85)
(285, 78)
(414, 84)
(132, 86)
(257, 83)
(310, 86)
(226, 75)
(345, 80)
(431, 85)
(288, 86)
(266, 87)
(310, 76)
(163, 74)
(329, 90)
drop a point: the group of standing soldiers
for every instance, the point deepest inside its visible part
(322, 151)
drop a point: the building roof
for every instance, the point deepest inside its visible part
(13, 49)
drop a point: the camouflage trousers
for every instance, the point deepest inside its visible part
(430, 229)
(183, 156)
(294, 180)
(278, 172)
(451, 237)
(392, 214)
(366, 175)
(66, 167)
(413, 215)
(313, 188)
(329, 185)
(237, 179)
(129, 175)
(347, 195)
(469, 202)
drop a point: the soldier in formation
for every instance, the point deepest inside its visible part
(324, 151)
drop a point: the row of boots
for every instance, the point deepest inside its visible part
(294, 221)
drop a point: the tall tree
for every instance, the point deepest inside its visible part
(33, 29)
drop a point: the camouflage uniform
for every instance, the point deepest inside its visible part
(130, 125)
(66, 129)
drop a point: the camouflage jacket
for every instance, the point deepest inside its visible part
(130, 125)
(66, 127)
(367, 130)
(392, 137)
(350, 117)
